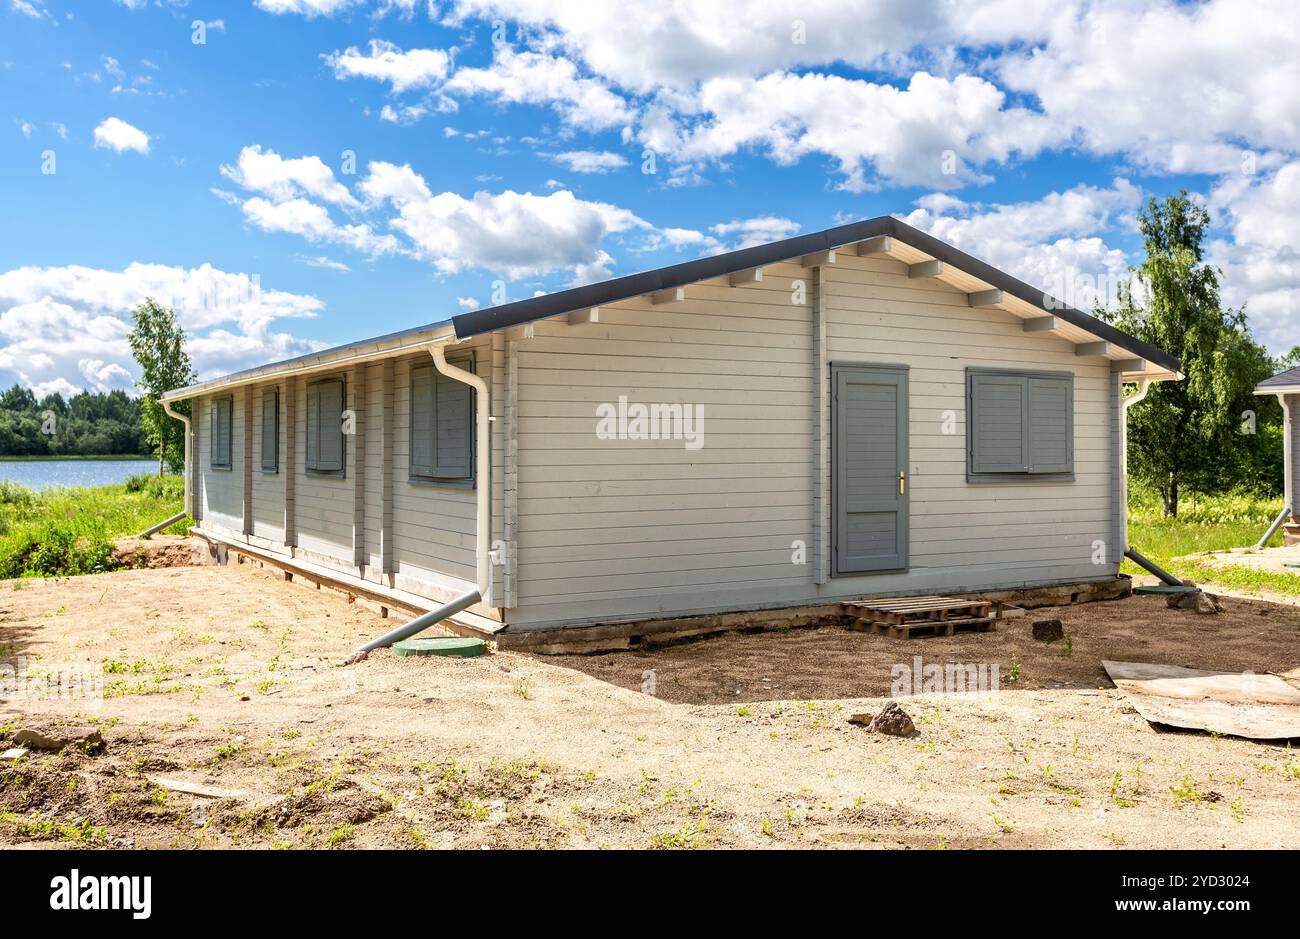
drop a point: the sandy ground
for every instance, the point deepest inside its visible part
(229, 678)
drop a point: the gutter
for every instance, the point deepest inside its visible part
(185, 474)
(1144, 388)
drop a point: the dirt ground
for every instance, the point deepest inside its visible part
(229, 678)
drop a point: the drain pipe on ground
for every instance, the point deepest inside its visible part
(1288, 497)
(185, 474)
(483, 493)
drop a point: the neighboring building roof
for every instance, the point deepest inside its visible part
(1282, 381)
(905, 243)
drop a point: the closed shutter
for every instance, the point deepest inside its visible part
(313, 427)
(220, 432)
(1051, 430)
(330, 434)
(442, 424)
(455, 428)
(423, 462)
(271, 431)
(997, 427)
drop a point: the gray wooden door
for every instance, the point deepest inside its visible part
(869, 456)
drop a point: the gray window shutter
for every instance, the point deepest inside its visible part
(214, 433)
(999, 409)
(442, 424)
(423, 417)
(454, 401)
(271, 431)
(227, 408)
(313, 427)
(330, 410)
(1051, 420)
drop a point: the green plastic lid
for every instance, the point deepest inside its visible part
(442, 645)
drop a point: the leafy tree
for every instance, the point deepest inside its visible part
(158, 344)
(1189, 433)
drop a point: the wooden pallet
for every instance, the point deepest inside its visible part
(903, 617)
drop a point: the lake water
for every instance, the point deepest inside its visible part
(44, 474)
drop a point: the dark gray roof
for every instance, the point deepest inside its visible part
(720, 265)
(1287, 379)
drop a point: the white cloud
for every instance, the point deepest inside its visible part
(324, 263)
(117, 134)
(933, 132)
(27, 8)
(307, 8)
(468, 304)
(65, 328)
(403, 71)
(517, 234)
(524, 77)
(267, 172)
(1049, 243)
(1261, 264)
(590, 161)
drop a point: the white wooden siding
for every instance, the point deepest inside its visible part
(268, 487)
(221, 496)
(624, 528)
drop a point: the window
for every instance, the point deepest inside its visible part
(1019, 425)
(219, 438)
(271, 431)
(442, 426)
(325, 448)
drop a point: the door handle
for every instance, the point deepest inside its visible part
(902, 482)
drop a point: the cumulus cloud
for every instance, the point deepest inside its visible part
(385, 62)
(526, 77)
(1261, 263)
(65, 328)
(1050, 243)
(116, 134)
(307, 8)
(590, 161)
(267, 172)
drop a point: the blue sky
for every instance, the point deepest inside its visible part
(318, 171)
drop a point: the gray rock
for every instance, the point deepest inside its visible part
(892, 720)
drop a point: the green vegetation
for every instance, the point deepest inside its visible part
(1209, 431)
(61, 532)
(97, 424)
(158, 344)
(1206, 523)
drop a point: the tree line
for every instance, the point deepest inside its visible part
(87, 424)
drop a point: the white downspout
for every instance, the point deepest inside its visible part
(483, 493)
(185, 472)
(482, 462)
(185, 475)
(1144, 386)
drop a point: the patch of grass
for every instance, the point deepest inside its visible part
(1206, 523)
(64, 532)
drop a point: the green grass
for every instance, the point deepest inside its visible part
(1207, 523)
(58, 532)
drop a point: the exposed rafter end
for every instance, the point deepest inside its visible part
(881, 244)
(589, 315)
(818, 259)
(752, 276)
(1092, 348)
(1040, 324)
(925, 269)
(985, 298)
(671, 295)
(1127, 366)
